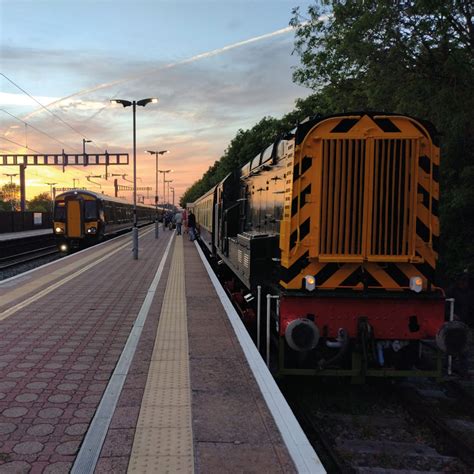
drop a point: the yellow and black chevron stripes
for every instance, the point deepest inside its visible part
(361, 204)
(332, 276)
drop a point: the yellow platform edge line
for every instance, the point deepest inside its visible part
(163, 440)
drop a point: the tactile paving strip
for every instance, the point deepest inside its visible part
(163, 439)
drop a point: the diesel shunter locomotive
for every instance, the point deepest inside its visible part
(337, 224)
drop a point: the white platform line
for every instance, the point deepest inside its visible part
(304, 457)
(66, 257)
(88, 455)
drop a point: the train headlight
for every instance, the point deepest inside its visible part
(309, 282)
(63, 248)
(416, 284)
(91, 230)
(59, 230)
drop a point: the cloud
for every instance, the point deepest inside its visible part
(20, 100)
(204, 100)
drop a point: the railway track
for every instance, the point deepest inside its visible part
(28, 256)
(448, 411)
(385, 426)
(22, 254)
(382, 427)
(19, 245)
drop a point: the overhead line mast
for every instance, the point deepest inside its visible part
(64, 159)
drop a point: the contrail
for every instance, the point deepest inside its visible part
(192, 59)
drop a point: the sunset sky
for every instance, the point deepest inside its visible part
(216, 66)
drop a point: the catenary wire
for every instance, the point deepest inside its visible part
(43, 106)
(19, 144)
(35, 128)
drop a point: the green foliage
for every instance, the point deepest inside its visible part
(242, 149)
(40, 203)
(9, 197)
(246, 144)
(414, 57)
(5, 205)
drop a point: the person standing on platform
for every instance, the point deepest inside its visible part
(178, 220)
(185, 221)
(192, 226)
(167, 220)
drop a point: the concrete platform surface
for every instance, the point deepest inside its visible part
(93, 359)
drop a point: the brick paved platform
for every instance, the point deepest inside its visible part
(63, 331)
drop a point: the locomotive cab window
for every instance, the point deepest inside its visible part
(90, 210)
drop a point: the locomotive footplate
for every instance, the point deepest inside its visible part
(357, 337)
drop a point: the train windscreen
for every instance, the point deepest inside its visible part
(60, 211)
(90, 210)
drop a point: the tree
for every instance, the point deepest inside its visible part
(40, 203)
(414, 57)
(9, 194)
(243, 147)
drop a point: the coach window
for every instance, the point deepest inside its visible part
(245, 171)
(281, 150)
(255, 162)
(267, 154)
(90, 210)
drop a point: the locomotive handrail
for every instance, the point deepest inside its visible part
(259, 311)
(269, 303)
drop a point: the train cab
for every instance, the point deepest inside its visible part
(78, 218)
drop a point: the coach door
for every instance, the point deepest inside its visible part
(74, 218)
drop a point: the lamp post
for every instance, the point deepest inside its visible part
(172, 190)
(84, 141)
(157, 153)
(168, 181)
(142, 103)
(51, 194)
(164, 179)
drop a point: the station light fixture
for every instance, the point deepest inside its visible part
(157, 154)
(134, 103)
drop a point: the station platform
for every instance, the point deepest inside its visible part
(110, 364)
(26, 234)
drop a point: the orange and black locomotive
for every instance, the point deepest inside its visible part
(337, 224)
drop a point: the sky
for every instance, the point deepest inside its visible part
(216, 66)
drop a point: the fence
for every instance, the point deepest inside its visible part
(11, 221)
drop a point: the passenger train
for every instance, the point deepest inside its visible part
(337, 224)
(84, 218)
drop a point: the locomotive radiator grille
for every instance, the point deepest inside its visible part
(343, 183)
(369, 218)
(393, 210)
(368, 199)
